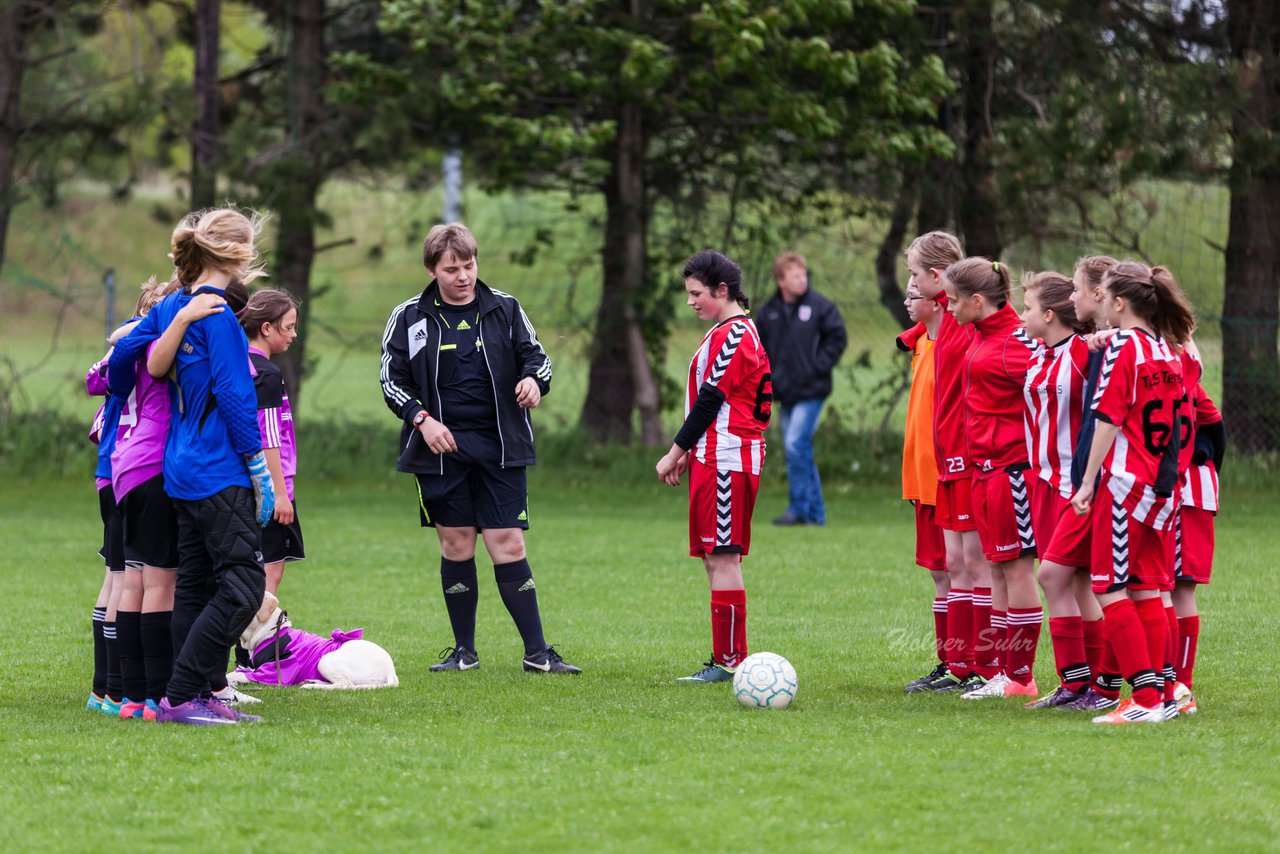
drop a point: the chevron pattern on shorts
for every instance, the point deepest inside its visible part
(1119, 543)
(1177, 545)
(725, 356)
(1022, 510)
(724, 508)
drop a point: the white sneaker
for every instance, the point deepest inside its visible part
(231, 696)
(994, 688)
(1186, 701)
(1129, 712)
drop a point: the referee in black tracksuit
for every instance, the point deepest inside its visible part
(461, 368)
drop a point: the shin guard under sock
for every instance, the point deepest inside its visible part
(520, 595)
(729, 626)
(461, 594)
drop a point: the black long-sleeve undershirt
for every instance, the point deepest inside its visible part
(701, 416)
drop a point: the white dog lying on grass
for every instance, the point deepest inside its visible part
(282, 655)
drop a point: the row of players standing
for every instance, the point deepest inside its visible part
(1022, 443)
(191, 469)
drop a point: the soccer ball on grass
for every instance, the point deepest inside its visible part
(765, 680)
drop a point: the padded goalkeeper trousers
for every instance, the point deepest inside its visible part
(219, 587)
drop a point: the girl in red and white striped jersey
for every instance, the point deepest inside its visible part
(1135, 446)
(979, 294)
(1194, 539)
(1055, 410)
(721, 444)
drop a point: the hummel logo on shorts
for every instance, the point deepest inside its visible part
(528, 585)
(458, 588)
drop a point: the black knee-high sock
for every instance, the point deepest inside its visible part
(157, 651)
(133, 672)
(461, 593)
(99, 652)
(114, 689)
(515, 583)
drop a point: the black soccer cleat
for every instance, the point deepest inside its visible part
(456, 658)
(915, 686)
(548, 661)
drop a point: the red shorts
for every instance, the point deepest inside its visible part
(1193, 544)
(1002, 509)
(1071, 537)
(955, 505)
(1126, 553)
(931, 551)
(720, 505)
(1047, 505)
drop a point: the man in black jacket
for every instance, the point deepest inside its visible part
(804, 335)
(461, 368)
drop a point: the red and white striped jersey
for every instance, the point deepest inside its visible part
(1140, 391)
(952, 452)
(1200, 482)
(732, 359)
(1054, 395)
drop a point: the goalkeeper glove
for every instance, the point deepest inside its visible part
(263, 490)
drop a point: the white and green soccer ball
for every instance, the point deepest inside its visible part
(765, 680)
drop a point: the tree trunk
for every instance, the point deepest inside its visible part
(204, 137)
(620, 378)
(302, 175)
(1251, 292)
(12, 66)
(889, 258)
(978, 203)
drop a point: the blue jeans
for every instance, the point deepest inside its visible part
(799, 423)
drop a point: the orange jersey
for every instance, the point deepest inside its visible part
(919, 463)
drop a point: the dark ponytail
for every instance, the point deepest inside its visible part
(714, 269)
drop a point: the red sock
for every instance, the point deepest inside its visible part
(960, 632)
(940, 626)
(1188, 637)
(1095, 646)
(983, 640)
(1108, 681)
(1127, 639)
(729, 626)
(1156, 630)
(1170, 647)
(1023, 637)
(1067, 634)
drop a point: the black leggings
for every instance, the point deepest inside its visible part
(218, 542)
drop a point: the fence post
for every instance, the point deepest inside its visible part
(109, 283)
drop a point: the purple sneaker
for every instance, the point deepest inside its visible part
(1091, 701)
(1063, 696)
(192, 713)
(234, 715)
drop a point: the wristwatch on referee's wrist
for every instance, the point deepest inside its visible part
(419, 418)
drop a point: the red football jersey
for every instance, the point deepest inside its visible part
(1054, 395)
(948, 397)
(1140, 391)
(732, 359)
(995, 373)
(1200, 482)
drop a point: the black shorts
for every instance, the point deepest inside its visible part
(112, 550)
(475, 490)
(150, 526)
(283, 542)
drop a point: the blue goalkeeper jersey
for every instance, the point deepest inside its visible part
(214, 409)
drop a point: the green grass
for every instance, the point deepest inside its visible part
(621, 758)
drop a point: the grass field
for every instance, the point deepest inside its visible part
(622, 759)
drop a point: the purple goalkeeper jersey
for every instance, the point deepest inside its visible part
(300, 656)
(275, 417)
(143, 430)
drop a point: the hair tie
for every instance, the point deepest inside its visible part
(995, 265)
